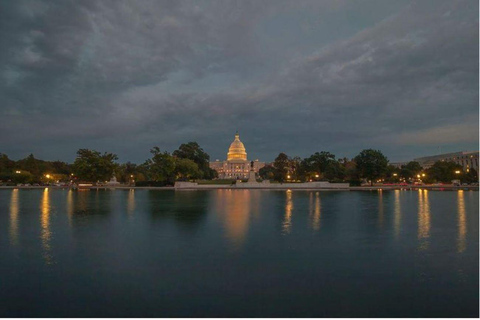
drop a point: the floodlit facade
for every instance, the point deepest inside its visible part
(237, 166)
(467, 159)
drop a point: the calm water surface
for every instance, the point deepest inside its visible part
(239, 253)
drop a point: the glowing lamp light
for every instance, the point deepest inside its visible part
(457, 172)
(316, 176)
(423, 174)
(18, 171)
(47, 176)
(395, 174)
(288, 177)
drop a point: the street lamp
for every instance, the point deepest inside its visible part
(395, 174)
(288, 177)
(457, 172)
(47, 176)
(316, 176)
(423, 174)
(18, 171)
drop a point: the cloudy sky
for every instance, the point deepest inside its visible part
(290, 76)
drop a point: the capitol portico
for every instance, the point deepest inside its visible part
(237, 165)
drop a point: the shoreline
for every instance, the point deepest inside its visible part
(228, 187)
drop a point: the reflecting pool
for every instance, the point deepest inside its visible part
(221, 253)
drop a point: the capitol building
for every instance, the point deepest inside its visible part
(237, 166)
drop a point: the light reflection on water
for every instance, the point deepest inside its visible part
(46, 233)
(70, 206)
(423, 219)
(234, 209)
(237, 207)
(131, 201)
(397, 213)
(209, 243)
(14, 217)
(287, 222)
(315, 207)
(462, 222)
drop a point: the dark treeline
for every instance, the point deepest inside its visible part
(191, 162)
(369, 166)
(188, 162)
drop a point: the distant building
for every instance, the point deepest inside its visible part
(398, 164)
(237, 166)
(467, 159)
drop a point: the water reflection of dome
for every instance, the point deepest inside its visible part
(233, 206)
(237, 150)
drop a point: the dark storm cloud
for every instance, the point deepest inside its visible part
(296, 77)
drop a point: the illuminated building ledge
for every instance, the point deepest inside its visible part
(263, 185)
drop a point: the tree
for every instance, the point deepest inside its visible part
(371, 164)
(444, 171)
(267, 172)
(323, 165)
(317, 164)
(295, 169)
(195, 153)
(301, 172)
(6, 165)
(91, 165)
(320, 161)
(335, 171)
(351, 173)
(392, 174)
(162, 166)
(60, 167)
(31, 165)
(125, 171)
(471, 176)
(23, 177)
(143, 172)
(281, 165)
(210, 174)
(410, 170)
(186, 169)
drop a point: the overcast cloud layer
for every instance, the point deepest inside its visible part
(290, 76)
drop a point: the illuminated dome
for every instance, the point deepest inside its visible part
(237, 150)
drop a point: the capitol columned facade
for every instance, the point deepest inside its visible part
(237, 166)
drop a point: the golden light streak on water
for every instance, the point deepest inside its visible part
(287, 221)
(423, 219)
(316, 215)
(310, 207)
(131, 202)
(397, 213)
(234, 208)
(70, 206)
(14, 208)
(46, 233)
(462, 222)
